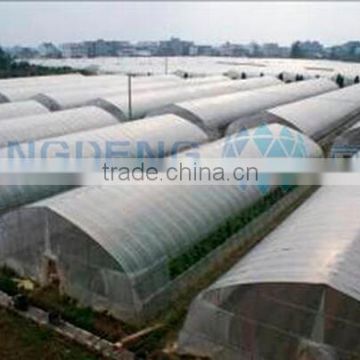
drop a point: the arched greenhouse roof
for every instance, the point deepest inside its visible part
(322, 250)
(37, 80)
(318, 115)
(47, 125)
(160, 101)
(214, 113)
(298, 285)
(142, 225)
(347, 144)
(26, 91)
(19, 109)
(163, 135)
(62, 99)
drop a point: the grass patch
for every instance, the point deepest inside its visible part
(49, 299)
(22, 339)
(100, 324)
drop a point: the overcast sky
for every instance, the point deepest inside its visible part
(203, 22)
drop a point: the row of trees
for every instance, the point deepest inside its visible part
(349, 51)
(9, 67)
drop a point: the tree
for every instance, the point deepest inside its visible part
(296, 50)
(5, 60)
(11, 68)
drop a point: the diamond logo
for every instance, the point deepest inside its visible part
(270, 143)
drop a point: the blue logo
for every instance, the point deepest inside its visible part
(265, 141)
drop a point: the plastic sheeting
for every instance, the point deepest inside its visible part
(216, 113)
(321, 114)
(297, 291)
(163, 135)
(125, 235)
(147, 103)
(23, 92)
(206, 79)
(60, 100)
(348, 143)
(42, 126)
(19, 109)
(37, 80)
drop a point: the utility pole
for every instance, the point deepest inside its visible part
(166, 65)
(129, 96)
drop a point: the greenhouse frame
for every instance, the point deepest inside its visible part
(38, 80)
(30, 128)
(24, 90)
(321, 114)
(296, 293)
(19, 109)
(347, 144)
(213, 114)
(122, 261)
(62, 99)
(147, 103)
(162, 135)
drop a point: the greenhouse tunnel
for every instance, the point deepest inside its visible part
(62, 99)
(146, 102)
(162, 135)
(25, 90)
(141, 234)
(20, 109)
(40, 80)
(213, 114)
(347, 144)
(297, 290)
(34, 127)
(317, 116)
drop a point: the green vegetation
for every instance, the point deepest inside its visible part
(219, 236)
(7, 283)
(101, 324)
(10, 68)
(26, 340)
(172, 320)
(152, 345)
(49, 299)
(22, 339)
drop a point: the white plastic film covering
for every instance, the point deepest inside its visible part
(320, 114)
(206, 79)
(139, 228)
(61, 99)
(24, 92)
(163, 135)
(300, 284)
(145, 103)
(219, 111)
(37, 80)
(347, 144)
(42, 126)
(19, 109)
